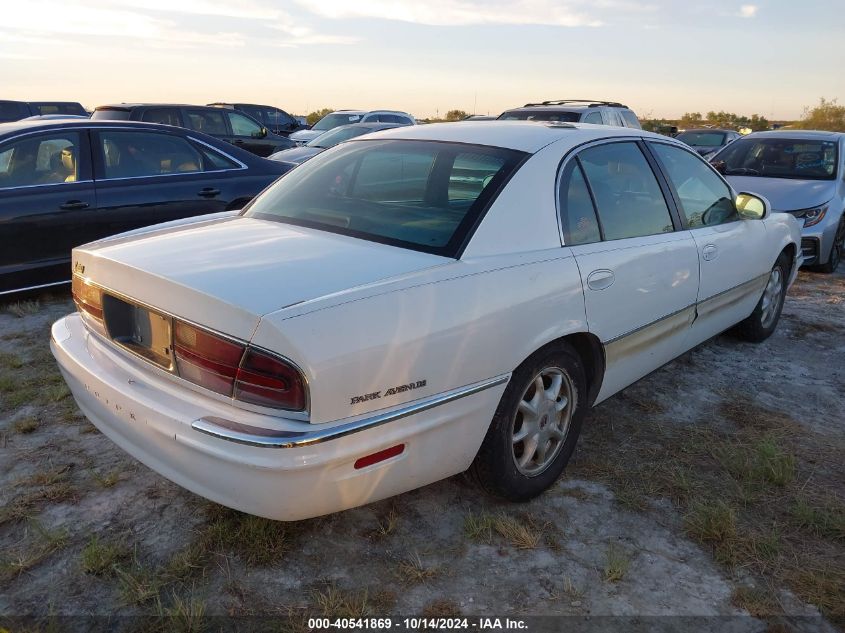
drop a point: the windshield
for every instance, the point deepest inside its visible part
(423, 195)
(702, 139)
(540, 115)
(780, 158)
(337, 135)
(331, 121)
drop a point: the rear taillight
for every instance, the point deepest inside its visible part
(205, 359)
(269, 381)
(88, 298)
(236, 370)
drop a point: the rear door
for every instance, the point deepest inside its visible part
(639, 272)
(731, 251)
(145, 177)
(47, 200)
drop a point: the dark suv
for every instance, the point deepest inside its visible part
(274, 119)
(17, 110)
(575, 111)
(229, 125)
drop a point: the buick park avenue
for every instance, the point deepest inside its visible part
(413, 304)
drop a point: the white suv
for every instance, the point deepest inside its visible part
(346, 117)
(575, 111)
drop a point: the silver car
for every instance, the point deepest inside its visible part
(802, 173)
(348, 117)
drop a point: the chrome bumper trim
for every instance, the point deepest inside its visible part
(270, 438)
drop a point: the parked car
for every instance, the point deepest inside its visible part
(708, 141)
(234, 127)
(480, 117)
(274, 119)
(347, 117)
(326, 140)
(402, 308)
(575, 111)
(64, 183)
(801, 173)
(17, 110)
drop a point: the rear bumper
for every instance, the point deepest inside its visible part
(154, 420)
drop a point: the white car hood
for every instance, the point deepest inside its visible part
(787, 194)
(229, 272)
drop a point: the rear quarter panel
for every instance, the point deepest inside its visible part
(452, 327)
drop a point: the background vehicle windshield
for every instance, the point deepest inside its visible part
(426, 196)
(337, 135)
(533, 115)
(780, 158)
(702, 139)
(331, 121)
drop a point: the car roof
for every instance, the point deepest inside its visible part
(130, 106)
(813, 135)
(707, 129)
(33, 125)
(524, 136)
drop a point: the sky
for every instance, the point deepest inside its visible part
(660, 57)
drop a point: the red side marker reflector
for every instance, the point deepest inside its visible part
(375, 458)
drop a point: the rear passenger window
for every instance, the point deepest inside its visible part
(577, 214)
(593, 117)
(208, 122)
(40, 160)
(629, 200)
(138, 154)
(167, 116)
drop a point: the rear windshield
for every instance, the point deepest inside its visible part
(111, 114)
(422, 195)
(337, 135)
(331, 121)
(780, 158)
(702, 139)
(60, 108)
(540, 115)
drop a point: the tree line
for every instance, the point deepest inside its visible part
(827, 115)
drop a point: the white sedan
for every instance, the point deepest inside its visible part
(406, 307)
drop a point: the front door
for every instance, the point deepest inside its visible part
(47, 199)
(731, 250)
(248, 134)
(639, 274)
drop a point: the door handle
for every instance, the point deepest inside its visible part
(709, 252)
(74, 204)
(600, 279)
(238, 142)
(208, 192)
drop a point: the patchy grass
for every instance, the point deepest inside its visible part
(759, 603)
(387, 524)
(762, 492)
(335, 602)
(39, 544)
(521, 534)
(617, 562)
(11, 361)
(100, 557)
(182, 615)
(441, 608)
(24, 308)
(137, 584)
(479, 527)
(26, 425)
(412, 570)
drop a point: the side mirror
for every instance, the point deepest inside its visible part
(750, 206)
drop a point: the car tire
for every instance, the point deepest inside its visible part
(545, 423)
(836, 249)
(763, 321)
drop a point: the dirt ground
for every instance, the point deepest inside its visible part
(714, 487)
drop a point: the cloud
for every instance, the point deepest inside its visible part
(748, 10)
(158, 23)
(456, 12)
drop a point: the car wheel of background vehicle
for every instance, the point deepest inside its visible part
(836, 250)
(763, 321)
(535, 427)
